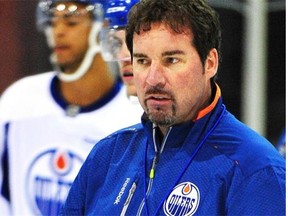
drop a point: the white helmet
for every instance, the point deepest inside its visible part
(44, 14)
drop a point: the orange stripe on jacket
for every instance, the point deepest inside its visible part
(207, 109)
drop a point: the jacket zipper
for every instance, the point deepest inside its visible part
(152, 170)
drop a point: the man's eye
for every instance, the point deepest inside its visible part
(71, 23)
(171, 60)
(142, 61)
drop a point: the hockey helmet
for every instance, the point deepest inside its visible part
(116, 12)
(115, 18)
(46, 8)
(45, 12)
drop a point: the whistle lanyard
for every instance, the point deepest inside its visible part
(194, 153)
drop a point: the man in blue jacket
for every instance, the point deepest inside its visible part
(190, 156)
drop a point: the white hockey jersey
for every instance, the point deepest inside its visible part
(46, 141)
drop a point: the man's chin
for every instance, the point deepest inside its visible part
(161, 118)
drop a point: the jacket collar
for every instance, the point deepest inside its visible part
(191, 130)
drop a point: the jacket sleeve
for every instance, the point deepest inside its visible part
(262, 193)
(75, 202)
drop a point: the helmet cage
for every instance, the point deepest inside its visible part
(111, 45)
(45, 13)
(46, 9)
(115, 18)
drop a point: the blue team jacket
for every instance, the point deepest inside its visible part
(213, 166)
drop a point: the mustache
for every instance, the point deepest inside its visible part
(158, 90)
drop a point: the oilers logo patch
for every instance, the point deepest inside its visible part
(183, 200)
(49, 178)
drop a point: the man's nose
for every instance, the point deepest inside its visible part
(156, 75)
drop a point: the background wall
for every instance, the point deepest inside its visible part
(23, 51)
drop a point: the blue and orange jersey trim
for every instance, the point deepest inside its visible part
(208, 109)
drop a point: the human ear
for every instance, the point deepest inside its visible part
(211, 63)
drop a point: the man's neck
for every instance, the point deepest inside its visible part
(97, 82)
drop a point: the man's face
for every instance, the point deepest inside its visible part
(70, 35)
(172, 83)
(125, 63)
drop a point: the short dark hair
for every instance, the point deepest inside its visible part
(196, 15)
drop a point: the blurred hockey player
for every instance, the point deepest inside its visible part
(49, 122)
(113, 43)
